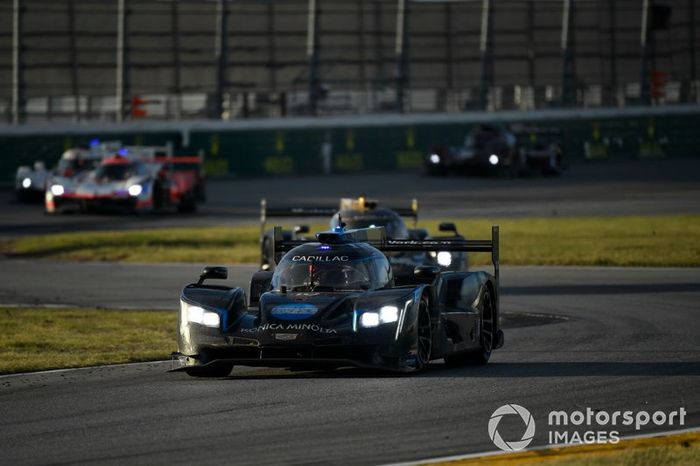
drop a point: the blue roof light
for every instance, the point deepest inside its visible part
(123, 151)
(94, 142)
(324, 247)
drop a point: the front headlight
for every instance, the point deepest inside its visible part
(135, 190)
(199, 315)
(444, 258)
(57, 190)
(434, 159)
(26, 183)
(385, 315)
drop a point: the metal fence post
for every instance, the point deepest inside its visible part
(312, 51)
(644, 90)
(401, 54)
(122, 78)
(486, 51)
(18, 97)
(568, 86)
(221, 53)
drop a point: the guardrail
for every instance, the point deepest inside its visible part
(357, 143)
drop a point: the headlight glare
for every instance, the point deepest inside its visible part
(434, 159)
(444, 258)
(57, 190)
(493, 159)
(369, 319)
(26, 183)
(199, 315)
(388, 314)
(135, 190)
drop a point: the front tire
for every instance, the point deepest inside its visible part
(424, 337)
(487, 336)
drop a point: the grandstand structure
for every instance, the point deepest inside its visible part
(119, 60)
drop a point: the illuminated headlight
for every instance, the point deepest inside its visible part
(26, 183)
(57, 190)
(198, 315)
(135, 190)
(493, 159)
(444, 258)
(435, 159)
(386, 315)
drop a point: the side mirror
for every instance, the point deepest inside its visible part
(213, 272)
(448, 226)
(301, 229)
(426, 272)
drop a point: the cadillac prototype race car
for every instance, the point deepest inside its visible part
(498, 150)
(135, 180)
(363, 213)
(332, 302)
(31, 182)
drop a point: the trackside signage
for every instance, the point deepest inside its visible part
(584, 426)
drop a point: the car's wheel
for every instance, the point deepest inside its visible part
(218, 369)
(487, 336)
(424, 337)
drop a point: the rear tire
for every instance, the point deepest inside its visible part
(486, 337)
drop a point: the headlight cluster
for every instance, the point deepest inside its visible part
(135, 190)
(26, 183)
(57, 190)
(385, 315)
(199, 315)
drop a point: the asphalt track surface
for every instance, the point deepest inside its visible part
(605, 338)
(604, 188)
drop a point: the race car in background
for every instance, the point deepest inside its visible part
(136, 179)
(498, 150)
(357, 213)
(332, 302)
(31, 182)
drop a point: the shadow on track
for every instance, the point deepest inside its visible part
(499, 370)
(641, 288)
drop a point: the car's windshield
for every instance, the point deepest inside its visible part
(116, 172)
(322, 276)
(78, 164)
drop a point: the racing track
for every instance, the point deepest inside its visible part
(606, 188)
(629, 339)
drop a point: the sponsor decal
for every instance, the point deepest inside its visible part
(294, 311)
(286, 336)
(287, 327)
(321, 258)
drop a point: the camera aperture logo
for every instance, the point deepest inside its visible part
(515, 445)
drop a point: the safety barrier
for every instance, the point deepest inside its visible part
(363, 143)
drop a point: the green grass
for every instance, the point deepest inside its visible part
(38, 339)
(670, 450)
(672, 240)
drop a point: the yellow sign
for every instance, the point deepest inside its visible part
(350, 141)
(409, 159)
(216, 167)
(279, 142)
(410, 138)
(215, 145)
(349, 162)
(279, 165)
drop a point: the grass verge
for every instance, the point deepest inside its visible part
(36, 339)
(672, 240)
(669, 450)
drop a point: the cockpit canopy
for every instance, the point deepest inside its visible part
(356, 219)
(338, 267)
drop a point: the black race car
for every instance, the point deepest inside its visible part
(364, 213)
(333, 303)
(499, 150)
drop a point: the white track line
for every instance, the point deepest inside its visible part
(76, 369)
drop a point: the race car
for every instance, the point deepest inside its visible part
(31, 182)
(498, 150)
(332, 302)
(363, 213)
(131, 182)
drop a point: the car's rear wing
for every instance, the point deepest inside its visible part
(361, 203)
(377, 238)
